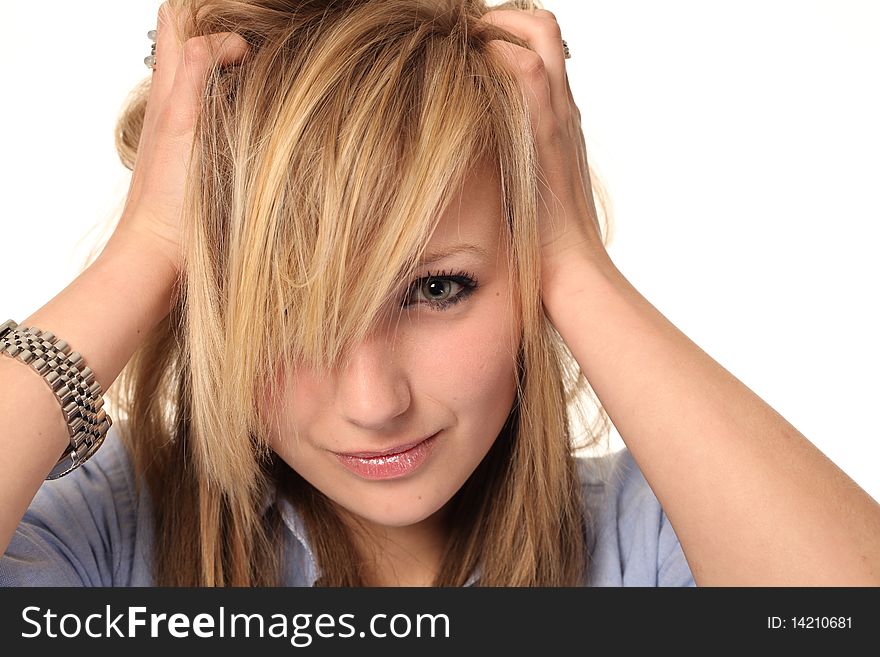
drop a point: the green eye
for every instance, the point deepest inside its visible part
(434, 288)
(443, 290)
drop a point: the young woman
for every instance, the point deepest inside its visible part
(357, 296)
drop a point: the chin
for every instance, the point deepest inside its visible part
(391, 513)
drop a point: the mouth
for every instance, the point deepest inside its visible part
(397, 449)
(389, 464)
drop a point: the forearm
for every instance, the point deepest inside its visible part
(752, 501)
(104, 314)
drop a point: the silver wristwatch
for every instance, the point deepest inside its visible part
(74, 386)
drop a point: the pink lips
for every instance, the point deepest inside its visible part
(391, 463)
(391, 450)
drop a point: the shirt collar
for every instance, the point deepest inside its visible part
(294, 522)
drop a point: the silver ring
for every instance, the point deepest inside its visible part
(150, 60)
(566, 50)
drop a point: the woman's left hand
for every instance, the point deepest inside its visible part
(720, 460)
(568, 219)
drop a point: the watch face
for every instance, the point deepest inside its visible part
(67, 463)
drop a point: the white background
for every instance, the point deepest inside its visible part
(739, 141)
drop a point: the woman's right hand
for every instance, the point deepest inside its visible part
(153, 207)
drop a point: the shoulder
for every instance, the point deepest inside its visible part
(631, 539)
(88, 528)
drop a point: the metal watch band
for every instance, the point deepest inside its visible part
(73, 384)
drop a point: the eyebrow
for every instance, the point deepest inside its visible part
(440, 254)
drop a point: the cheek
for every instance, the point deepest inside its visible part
(298, 392)
(474, 370)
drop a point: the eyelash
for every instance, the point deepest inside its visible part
(466, 279)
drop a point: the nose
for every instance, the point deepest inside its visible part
(372, 391)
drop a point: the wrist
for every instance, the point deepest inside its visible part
(105, 313)
(131, 243)
(579, 271)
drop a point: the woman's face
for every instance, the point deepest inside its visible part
(449, 370)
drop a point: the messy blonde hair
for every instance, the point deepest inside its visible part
(326, 157)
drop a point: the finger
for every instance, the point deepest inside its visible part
(197, 58)
(553, 164)
(168, 47)
(574, 108)
(528, 66)
(543, 34)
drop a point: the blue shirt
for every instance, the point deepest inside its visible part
(89, 529)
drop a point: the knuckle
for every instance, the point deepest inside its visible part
(230, 40)
(540, 95)
(165, 14)
(532, 64)
(195, 50)
(549, 23)
(547, 130)
(551, 27)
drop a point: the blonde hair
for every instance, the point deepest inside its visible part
(325, 158)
